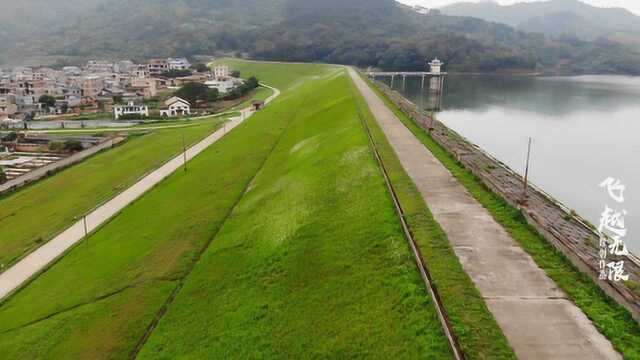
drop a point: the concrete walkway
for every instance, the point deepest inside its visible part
(12, 279)
(535, 316)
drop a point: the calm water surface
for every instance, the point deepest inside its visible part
(584, 129)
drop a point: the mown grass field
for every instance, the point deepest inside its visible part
(611, 319)
(34, 214)
(306, 258)
(312, 262)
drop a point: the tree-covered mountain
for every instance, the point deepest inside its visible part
(380, 33)
(554, 17)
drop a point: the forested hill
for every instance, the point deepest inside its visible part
(555, 17)
(379, 33)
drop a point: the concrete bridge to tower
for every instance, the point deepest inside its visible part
(435, 75)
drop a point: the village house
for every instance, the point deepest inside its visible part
(223, 86)
(91, 85)
(72, 71)
(175, 107)
(221, 72)
(130, 109)
(179, 64)
(145, 87)
(7, 108)
(158, 66)
(124, 67)
(195, 78)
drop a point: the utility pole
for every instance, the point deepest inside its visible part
(526, 171)
(184, 153)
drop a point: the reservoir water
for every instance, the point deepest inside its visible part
(585, 129)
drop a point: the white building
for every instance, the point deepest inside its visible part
(436, 66)
(221, 72)
(71, 71)
(223, 86)
(176, 107)
(124, 66)
(130, 109)
(178, 64)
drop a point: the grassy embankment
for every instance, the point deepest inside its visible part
(312, 261)
(314, 241)
(32, 215)
(611, 319)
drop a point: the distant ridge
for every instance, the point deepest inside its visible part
(554, 17)
(378, 33)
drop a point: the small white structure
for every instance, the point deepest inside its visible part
(221, 72)
(176, 107)
(130, 109)
(436, 66)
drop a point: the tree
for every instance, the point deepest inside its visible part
(235, 73)
(212, 95)
(195, 92)
(3, 176)
(200, 67)
(47, 100)
(10, 137)
(56, 146)
(176, 73)
(73, 146)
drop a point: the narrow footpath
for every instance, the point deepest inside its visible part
(535, 316)
(12, 279)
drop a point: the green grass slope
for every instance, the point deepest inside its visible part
(307, 258)
(141, 254)
(312, 262)
(35, 214)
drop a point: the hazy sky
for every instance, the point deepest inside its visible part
(632, 5)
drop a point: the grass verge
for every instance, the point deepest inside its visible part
(33, 215)
(611, 319)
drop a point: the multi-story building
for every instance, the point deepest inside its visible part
(145, 87)
(158, 66)
(91, 85)
(221, 72)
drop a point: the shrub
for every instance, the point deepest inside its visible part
(56, 146)
(73, 146)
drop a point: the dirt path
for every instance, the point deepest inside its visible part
(12, 279)
(535, 316)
